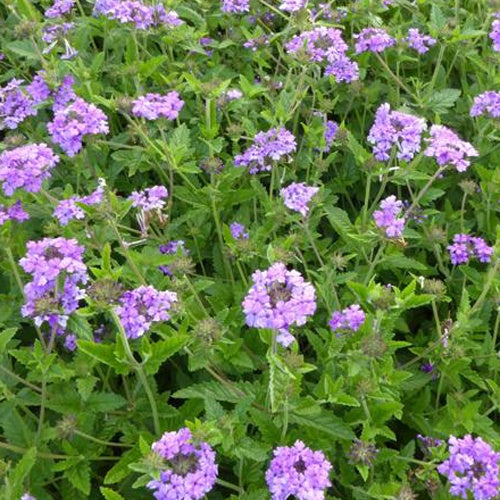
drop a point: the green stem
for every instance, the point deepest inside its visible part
(486, 288)
(374, 263)
(436, 319)
(394, 77)
(367, 199)
(231, 486)
(20, 379)
(100, 441)
(424, 190)
(311, 241)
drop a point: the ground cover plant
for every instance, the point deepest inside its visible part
(249, 249)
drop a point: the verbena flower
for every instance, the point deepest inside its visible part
(331, 129)
(495, 34)
(55, 34)
(343, 70)
(293, 5)
(68, 209)
(26, 167)
(297, 471)
(279, 299)
(373, 40)
(64, 94)
(268, 148)
(15, 104)
(255, 43)
(388, 217)
(142, 307)
(153, 106)
(152, 198)
(171, 248)
(58, 270)
(351, 318)
(72, 123)
(465, 247)
(190, 470)
(38, 88)
(27, 496)
(486, 103)
(448, 148)
(419, 41)
(471, 467)
(235, 6)
(238, 231)
(393, 128)
(14, 212)
(60, 8)
(297, 195)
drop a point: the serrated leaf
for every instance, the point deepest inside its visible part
(109, 494)
(102, 352)
(85, 386)
(5, 336)
(441, 100)
(121, 468)
(79, 477)
(21, 471)
(325, 423)
(163, 350)
(217, 391)
(104, 401)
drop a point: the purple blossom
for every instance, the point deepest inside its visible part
(297, 195)
(27, 496)
(57, 270)
(26, 167)
(229, 95)
(71, 124)
(279, 299)
(238, 231)
(15, 104)
(190, 470)
(55, 35)
(255, 43)
(38, 88)
(472, 466)
(14, 212)
(64, 94)
(343, 70)
(68, 209)
(373, 40)
(393, 128)
(70, 342)
(59, 8)
(486, 103)
(297, 471)
(293, 5)
(142, 307)
(331, 129)
(465, 247)
(418, 41)
(268, 148)
(235, 6)
(152, 198)
(171, 248)
(387, 217)
(448, 148)
(153, 106)
(495, 34)
(351, 318)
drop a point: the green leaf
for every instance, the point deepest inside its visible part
(23, 48)
(110, 494)
(104, 401)
(163, 350)
(325, 423)
(441, 100)
(217, 391)
(5, 336)
(121, 469)
(339, 220)
(85, 386)
(79, 477)
(104, 353)
(21, 471)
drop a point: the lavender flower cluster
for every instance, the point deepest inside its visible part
(190, 470)
(59, 8)
(293, 5)
(171, 248)
(268, 147)
(297, 471)
(57, 269)
(141, 15)
(154, 106)
(68, 209)
(495, 34)
(418, 41)
(487, 103)
(235, 6)
(152, 198)
(351, 318)
(279, 299)
(466, 247)
(388, 217)
(142, 307)
(238, 231)
(471, 467)
(297, 195)
(373, 40)
(14, 212)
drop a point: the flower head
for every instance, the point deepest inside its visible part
(495, 35)
(298, 471)
(68, 209)
(16, 104)
(465, 247)
(152, 198)
(418, 41)
(190, 470)
(60, 8)
(238, 231)
(14, 212)
(487, 103)
(235, 6)
(388, 217)
(373, 40)
(153, 106)
(293, 5)
(471, 467)
(279, 299)
(297, 195)
(351, 318)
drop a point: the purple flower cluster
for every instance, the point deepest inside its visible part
(495, 34)
(326, 45)
(171, 248)
(67, 210)
(72, 123)
(388, 217)
(64, 94)
(55, 34)
(38, 88)
(141, 15)
(293, 5)
(142, 307)
(14, 212)
(238, 231)
(297, 195)
(351, 318)
(235, 6)
(471, 467)
(60, 8)
(419, 41)
(486, 103)
(255, 43)
(57, 270)
(153, 106)
(297, 471)
(393, 128)
(152, 198)
(190, 470)
(26, 167)
(448, 148)
(268, 147)
(466, 247)
(279, 299)
(331, 129)
(373, 40)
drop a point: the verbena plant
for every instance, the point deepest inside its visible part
(248, 249)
